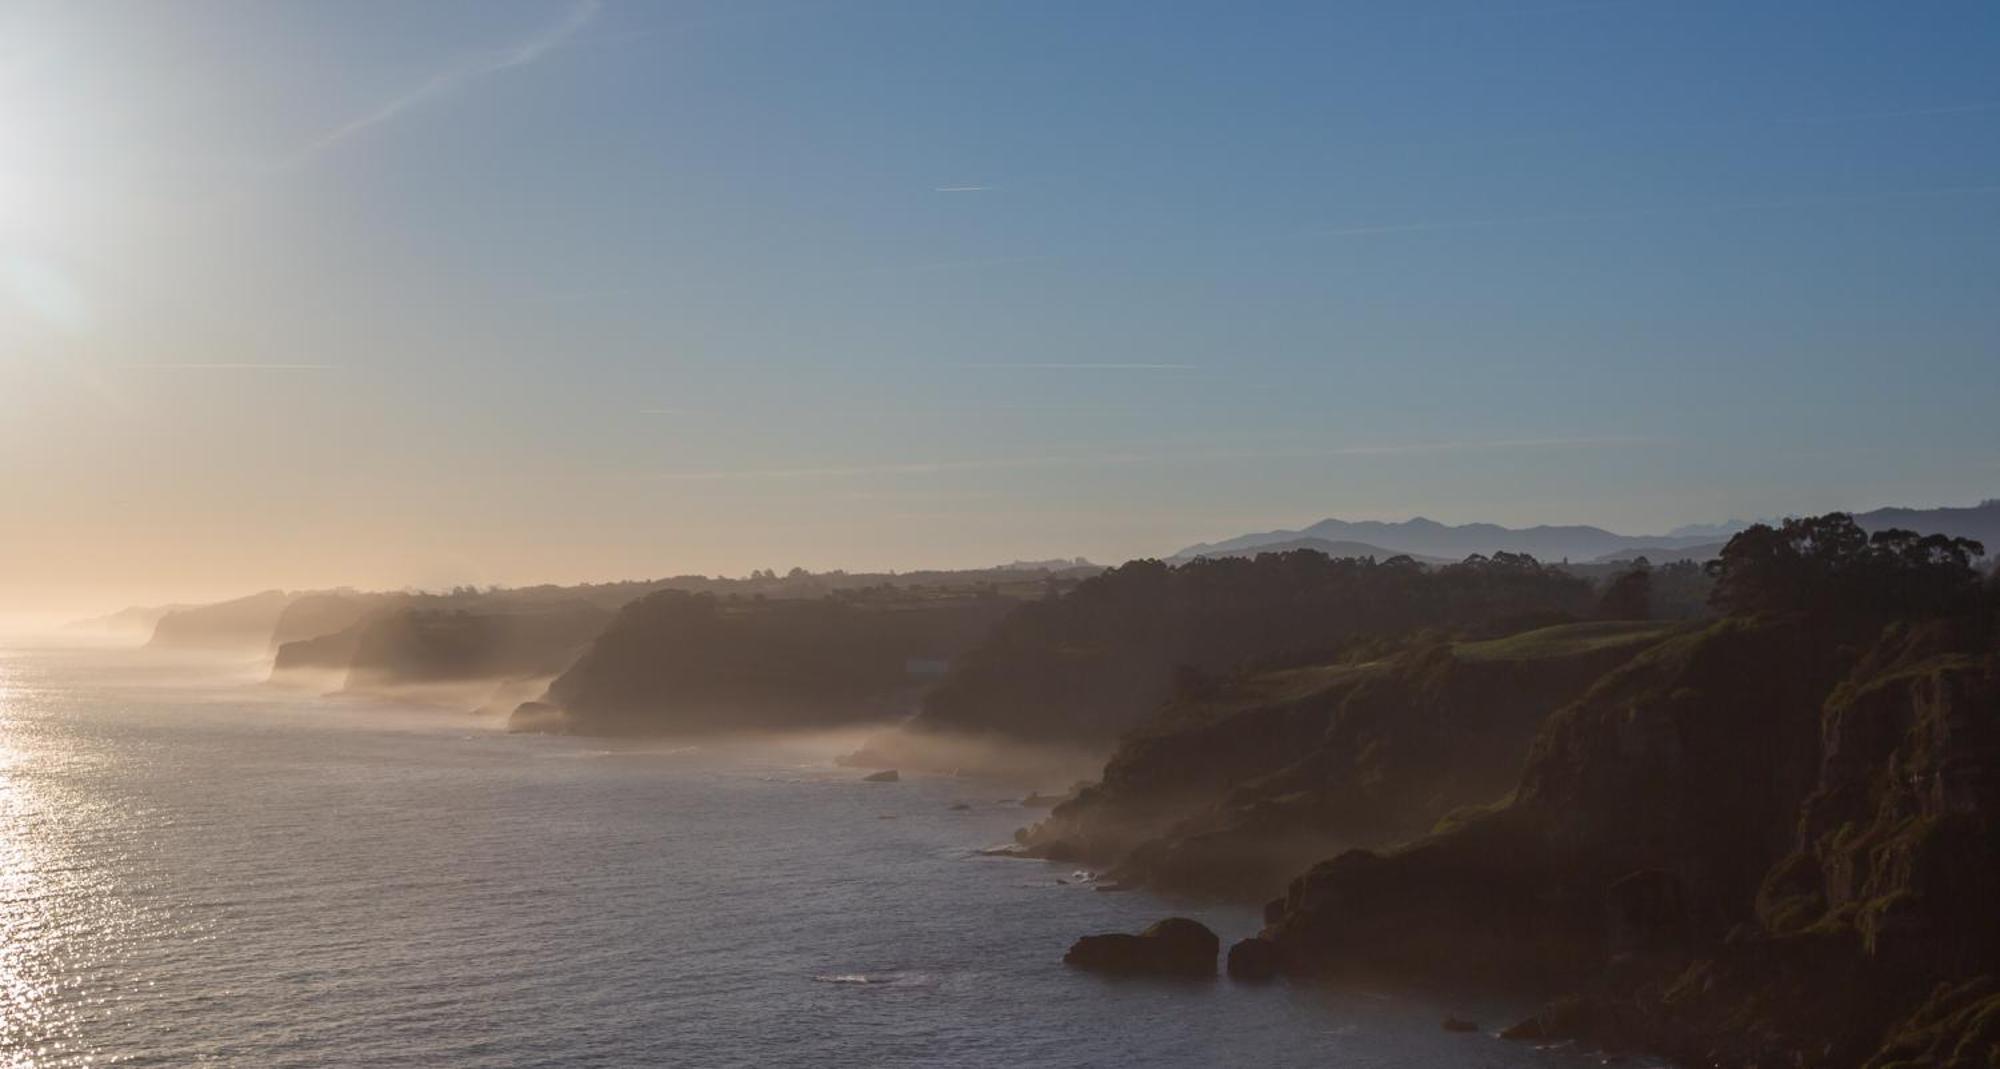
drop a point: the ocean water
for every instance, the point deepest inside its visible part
(196, 869)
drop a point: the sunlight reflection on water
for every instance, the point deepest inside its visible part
(26, 904)
(207, 872)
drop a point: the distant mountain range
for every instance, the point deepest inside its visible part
(1424, 538)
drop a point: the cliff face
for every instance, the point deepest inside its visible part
(416, 646)
(317, 658)
(674, 662)
(244, 623)
(1750, 845)
(1233, 794)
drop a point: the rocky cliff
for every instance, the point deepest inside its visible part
(1233, 793)
(674, 662)
(240, 624)
(1750, 845)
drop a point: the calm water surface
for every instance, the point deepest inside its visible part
(195, 869)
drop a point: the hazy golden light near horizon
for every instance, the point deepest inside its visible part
(303, 295)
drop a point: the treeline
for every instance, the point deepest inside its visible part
(1091, 664)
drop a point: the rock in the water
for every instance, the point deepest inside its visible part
(887, 775)
(959, 807)
(1176, 946)
(1255, 958)
(1459, 1024)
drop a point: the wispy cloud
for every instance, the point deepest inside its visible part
(1115, 459)
(1056, 366)
(236, 366)
(456, 76)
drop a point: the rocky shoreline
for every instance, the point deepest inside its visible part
(1769, 840)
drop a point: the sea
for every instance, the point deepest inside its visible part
(198, 868)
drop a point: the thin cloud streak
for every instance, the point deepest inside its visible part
(227, 367)
(1081, 367)
(520, 55)
(1120, 459)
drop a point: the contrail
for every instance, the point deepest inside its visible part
(1082, 367)
(528, 51)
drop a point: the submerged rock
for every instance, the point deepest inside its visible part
(885, 776)
(1176, 946)
(1255, 959)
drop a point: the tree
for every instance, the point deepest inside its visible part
(1629, 594)
(1829, 564)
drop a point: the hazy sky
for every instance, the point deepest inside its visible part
(379, 293)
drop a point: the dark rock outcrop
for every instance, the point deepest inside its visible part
(1176, 946)
(1253, 959)
(887, 775)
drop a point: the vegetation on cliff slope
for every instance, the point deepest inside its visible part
(1088, 666)
(1771, 841)
(1232, 792)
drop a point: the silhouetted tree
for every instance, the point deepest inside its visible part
(1629, 595)
(1829, 564)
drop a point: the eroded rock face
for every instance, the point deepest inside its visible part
(1774, 842)
(1176, 946)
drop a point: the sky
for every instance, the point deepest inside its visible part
(305, 294)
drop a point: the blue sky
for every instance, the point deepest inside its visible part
(501, 291)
